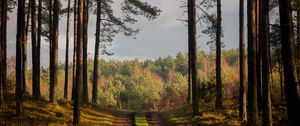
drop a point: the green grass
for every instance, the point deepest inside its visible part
(183, 116)
(61, 113)
(140, 119)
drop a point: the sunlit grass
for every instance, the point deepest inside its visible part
(140, 119)
(60, 113)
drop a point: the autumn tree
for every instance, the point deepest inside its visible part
(110, 25)
(289, 62)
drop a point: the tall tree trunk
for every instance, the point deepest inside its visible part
(252, 77)
(19, 41)
(298, 38)
(50, 49)
(53, 80)
(67, 53)
(242, 97)
(258, 54)
(3, 50)
(289, 63)
(192, 41)
(78, 86)
(35, 90)
(1, 92)
(219, 102)
(38, 49)
(75, 48)
(96, 58)
(85, 43)
(24, 51)
(266, 85)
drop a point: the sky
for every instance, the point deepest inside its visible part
(160, 37)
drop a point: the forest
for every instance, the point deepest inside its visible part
(257, 83)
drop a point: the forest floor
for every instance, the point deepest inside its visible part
(228, 115)
(40, 113)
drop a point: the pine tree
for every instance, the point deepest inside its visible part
(289, 63)
(242, 97)
(19, 41)
(67, 52)
(252, 74)
(219, 102)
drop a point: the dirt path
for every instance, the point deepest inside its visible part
(124, 119)
(154, 119)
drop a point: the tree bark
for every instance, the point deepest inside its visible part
(96, 58)
(53, 80)
(85, 43)
(1, 92)
(38, 50)
(219, 102)
(67, 53)
(75, 48)
(50, 49)
(192, 41)
(266, 85)
(35, 90)
(19, 41)
(24, 51)
(78, 86)
(242, 97)
(289, 62)
(3, 41)
(258, 54)
(252, 77)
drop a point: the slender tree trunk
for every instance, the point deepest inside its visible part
(85, 43)
(252, 77)
(96, 58)
(289, 63)
(75, 48)
(50, 49)
(53, 80)
(3, 18)
(266, 87)
(192, 41)
(38, 50)
(67, 53)
(219, 102)
(4, 49)
(298, 39)
(78, 86)
(1, 92)
(19, 41)
(24, 51)
(258, 54)
(242, 97)
(35, 91)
